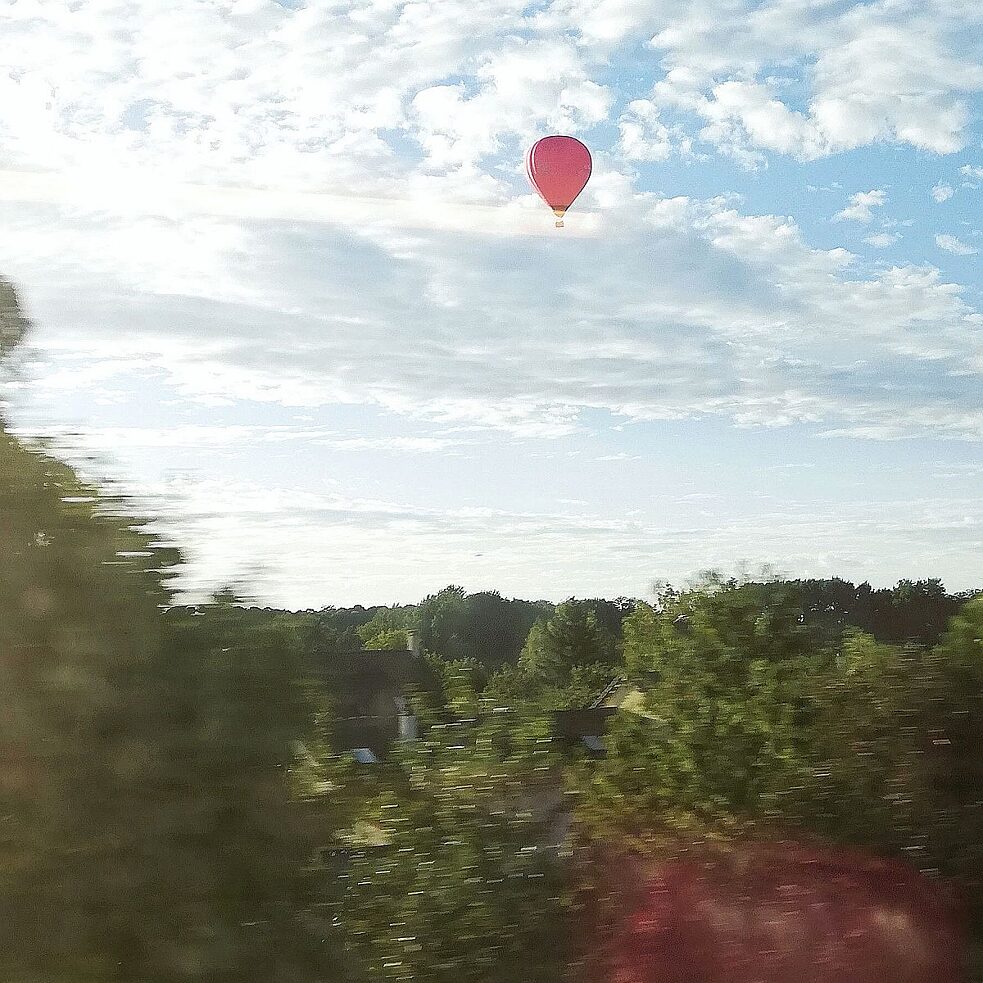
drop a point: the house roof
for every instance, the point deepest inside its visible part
(588, 724)
(574, 724)
(380, 666)
(613, 695)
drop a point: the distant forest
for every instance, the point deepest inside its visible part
(491, 630)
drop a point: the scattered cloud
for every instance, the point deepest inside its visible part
(521, 86)
(859, 209)
(644, 137)
(942, 192)
(968, 170)
(877, 72)
(375, 97)
(881, 240)
(744, 117)
(953, 245)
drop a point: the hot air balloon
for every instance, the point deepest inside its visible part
(559, 169)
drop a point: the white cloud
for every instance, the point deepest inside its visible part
(859, 209)
(877, 72)
(644, 137)
(304, 97)
(881, 240)
(525, 85)
(953, 245)
(764, 120)
(675, 308)
(342, 97)
(604, 24)
(968, 170)
(942, 192)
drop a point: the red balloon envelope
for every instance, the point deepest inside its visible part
(559, 169)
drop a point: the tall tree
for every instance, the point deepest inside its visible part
(387, 629)
(572, 636)
(80, 591)
(13, 323)
(485, 627)
(719, 667)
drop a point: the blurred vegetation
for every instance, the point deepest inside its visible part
(170, 807)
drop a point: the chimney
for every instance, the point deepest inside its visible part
(406, 720)
(413, 641)
(407, 727)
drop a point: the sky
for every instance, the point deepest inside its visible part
(292, 292)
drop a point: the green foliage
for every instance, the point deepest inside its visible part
(387, 629)
(79, 628)
(459, 686)
(572, 636)
(749, 721)
(395, 638)
(896, 762)
(485, 627)
(244, 752)
(963, 642)
(722, 702)
(568, 659)
(953, 763)
(912, 611)
(583, 687)
(333, 630)
(458, 884)
(152, 776)
(862, 781)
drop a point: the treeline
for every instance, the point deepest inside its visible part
(485, 627)
(560, 656)
(491, 630)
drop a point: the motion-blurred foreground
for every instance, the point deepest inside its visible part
(777, 912)
(471, 788)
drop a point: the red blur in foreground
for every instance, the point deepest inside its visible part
(780, 914)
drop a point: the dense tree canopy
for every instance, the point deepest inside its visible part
(485, 627)
(751, 720)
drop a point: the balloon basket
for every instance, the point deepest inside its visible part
(559, 223)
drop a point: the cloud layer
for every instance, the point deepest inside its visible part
(677, 308)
